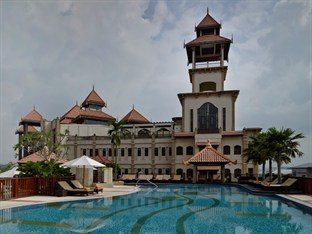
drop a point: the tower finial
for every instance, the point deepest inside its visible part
(207, 10)
(132, 106)
(93, 87)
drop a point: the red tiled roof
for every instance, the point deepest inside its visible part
(208, 155)
(134, 117)
(30, 129)
(36, 157)
(99, 115)
(208, 39)
(102, 159)
(208, 21)
(32, 117)
(93, 99)
(71, 114)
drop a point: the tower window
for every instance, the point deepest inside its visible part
(189, 150)
(207, 118)
(224, 118)
(207, 86)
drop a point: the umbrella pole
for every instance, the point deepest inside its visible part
(83, 176)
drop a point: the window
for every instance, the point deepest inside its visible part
(139, 151)
(104, 152)
(207, 86)
(146, 171)
(96, 152)
(146, 151)
(156, 151)
(170, 151)
(179, 171)
(191, 120)
(237, 172)
(168, 171)
(109, 152)
(224, 118)
(208, 118)
(122, 153)
(126, 171)
(237, 149)
(159, 171)
(189, 150)
(91, 152)
(226, 149)
(129, 152)
(179, 150)
(163, 151)
(84, 151)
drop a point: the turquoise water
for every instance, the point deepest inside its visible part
(167, 209)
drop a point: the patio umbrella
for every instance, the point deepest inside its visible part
(10, 173)
(84, 162)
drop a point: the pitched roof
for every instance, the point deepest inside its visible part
(71, 114)
(30, 129)
(208, 39)
(209, 155)
(102, 159)
(134, 117)
(33, 117)
(93, 99)
(92, 114)
(37, 157)
(208, 22)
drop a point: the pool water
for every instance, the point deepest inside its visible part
(167, 209)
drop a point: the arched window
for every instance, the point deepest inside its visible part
(159, 171)
(189, 174)
(207, 118)
(179, 171)
(143, 133)
(237, 149)
(189, 150)
(207, 86)
(179, 150)
(237, 172)
(226, 149)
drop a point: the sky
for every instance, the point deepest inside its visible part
(54, 52)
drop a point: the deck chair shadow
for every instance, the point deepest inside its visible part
(64, 185)
(78, 185)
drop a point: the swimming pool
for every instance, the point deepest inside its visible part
(167, 209)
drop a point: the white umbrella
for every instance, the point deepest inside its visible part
(10, 173)
(83, 161)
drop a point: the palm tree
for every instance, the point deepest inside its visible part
(284, 145)
(257, 151)
(116, 133)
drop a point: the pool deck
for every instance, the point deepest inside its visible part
(118, 190)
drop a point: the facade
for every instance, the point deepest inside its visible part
(208, 115)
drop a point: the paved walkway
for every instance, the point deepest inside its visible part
(117, 190)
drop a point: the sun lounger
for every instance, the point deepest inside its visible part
(266, 180)
(288, 183)
(77, 185)
(159, 178)
(176, 178)
(166, 177)
(127, 177)
(65, 186)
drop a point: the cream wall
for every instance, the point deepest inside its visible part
(216, 77)
(194, 102)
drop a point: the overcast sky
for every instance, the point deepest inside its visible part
(53, 52)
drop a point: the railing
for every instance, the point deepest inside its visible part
(11, 188)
